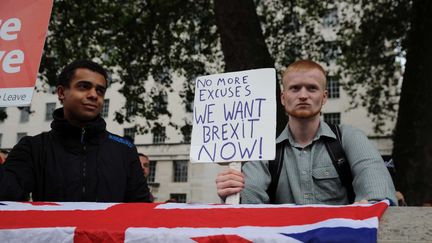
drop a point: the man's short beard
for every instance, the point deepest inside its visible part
(304, 114)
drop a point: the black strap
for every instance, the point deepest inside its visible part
(340, 162)
(337, 155)
(275, 168)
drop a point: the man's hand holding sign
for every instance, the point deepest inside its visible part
(234, 118)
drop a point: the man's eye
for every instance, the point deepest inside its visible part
(83, 86)
(101, 91)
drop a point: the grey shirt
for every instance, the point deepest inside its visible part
(309, 177)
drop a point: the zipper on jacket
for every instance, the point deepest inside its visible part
(84, 175)
(84, 162)
(82, 135)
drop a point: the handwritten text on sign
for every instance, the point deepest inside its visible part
(234, 116)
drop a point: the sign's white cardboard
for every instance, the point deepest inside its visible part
(234, 117)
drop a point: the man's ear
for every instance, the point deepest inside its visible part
(282, 98)
(325, 96)
(61, 93)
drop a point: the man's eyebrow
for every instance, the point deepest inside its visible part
(91, 83)
(84, 81)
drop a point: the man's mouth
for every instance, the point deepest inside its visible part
(91, 106)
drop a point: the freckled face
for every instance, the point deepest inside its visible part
(304, 93)
(83, 98)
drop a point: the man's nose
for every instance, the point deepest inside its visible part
(92, 93)
(303, 93)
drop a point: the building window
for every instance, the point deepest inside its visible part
(24, 114)
(180, 170)
(333, 87)
(159, 135)
(3, 114)
(187, 138)
(50, 107)
(330, 18)
(152, 173)
(189, 106)
(332, 118)
(186, 131)
(105, 108)
(129, 133)
(178, 197)
(20, 135)
(330, 51)
(131, 108)
(161, 102)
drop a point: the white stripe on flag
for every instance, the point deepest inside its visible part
(60, 206)
(210, 206)
(38, 235)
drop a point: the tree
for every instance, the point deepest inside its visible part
(138, 41)
(142, 40)
(373, 45)
(243, 42)
(279, 32)
(412, 143)
(374, 48)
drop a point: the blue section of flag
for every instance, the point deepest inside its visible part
(333, 235)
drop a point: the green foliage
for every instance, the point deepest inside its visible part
(289, 27)
(373, 47)
(368, 45)
(142, 41)
(137, 41)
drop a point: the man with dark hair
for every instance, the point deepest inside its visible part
(78, 160)
(145, 164)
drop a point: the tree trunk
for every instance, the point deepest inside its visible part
(243, 42)
(413, 136)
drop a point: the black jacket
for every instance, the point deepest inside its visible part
(70, 163)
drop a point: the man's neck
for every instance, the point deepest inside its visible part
(303, 130)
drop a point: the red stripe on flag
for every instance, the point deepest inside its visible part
(221, 239)
(43, 203)
(91, 236)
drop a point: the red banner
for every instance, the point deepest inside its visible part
(23, 28)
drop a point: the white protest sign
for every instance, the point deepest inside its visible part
(234, 117)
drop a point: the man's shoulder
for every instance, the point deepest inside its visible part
(33, 143)
(41, 137)
(351, 130)
(118, 140)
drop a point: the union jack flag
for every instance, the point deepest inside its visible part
(171, 222)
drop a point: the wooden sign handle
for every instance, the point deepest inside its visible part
(235, 198)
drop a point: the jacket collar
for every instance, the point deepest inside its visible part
(62, 126)
(323, 131)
